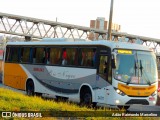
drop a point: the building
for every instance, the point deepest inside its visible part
(102, 24)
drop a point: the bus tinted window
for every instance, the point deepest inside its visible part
(55, 56)
(25, 54)
(88, 57)
(71, 56)
(39, 55)
(14, 54)
(8, 52)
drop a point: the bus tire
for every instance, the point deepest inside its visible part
(30, 88)
(123, 107)
(86, 96)
(38, 94)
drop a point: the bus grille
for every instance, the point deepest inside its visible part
(139, 101)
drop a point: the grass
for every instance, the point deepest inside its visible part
(13, 101)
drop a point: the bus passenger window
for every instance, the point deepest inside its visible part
(8, 54)
(25, 54)
(34, 55)
(40, 55)
(94, 58)
(44, 55)
(103, 68)
(48, 55)
(55, 56)
(15, 54)
(72, 56)
(88, 57)
(64, 57)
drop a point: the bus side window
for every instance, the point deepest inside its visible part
(40, 55)
(48, 55)
(21, 55)
(72, 56)
(25, 55)
(94, 58)
(8, 54)
(83, 58)
(15, 54)
(55, 56)
(88, 57)
(64, 57)
(34, 54)
(76, 57)
(44, 56)
(105, 70)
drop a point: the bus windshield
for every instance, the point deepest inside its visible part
(136, 67)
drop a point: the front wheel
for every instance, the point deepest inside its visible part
(86, 97)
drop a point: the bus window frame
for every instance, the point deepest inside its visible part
(46, 47)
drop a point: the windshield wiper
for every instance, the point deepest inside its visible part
(141, 67)
(135, 67)
(128, 81)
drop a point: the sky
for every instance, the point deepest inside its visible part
(138, 17)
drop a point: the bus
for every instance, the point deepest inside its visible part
(88, 72)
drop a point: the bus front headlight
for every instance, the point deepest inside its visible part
(119, 92)
(154, 93)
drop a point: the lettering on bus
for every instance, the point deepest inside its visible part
(38, 69)
(124, 51)
(100, 98)
(63, 74)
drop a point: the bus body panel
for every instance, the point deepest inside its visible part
(53, 76)
(134, 94)
(137, 90)
(58, 81)
(14, 76)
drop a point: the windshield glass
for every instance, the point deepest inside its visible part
(136, 67)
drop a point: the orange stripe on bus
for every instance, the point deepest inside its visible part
(14, 76)
(137, 91)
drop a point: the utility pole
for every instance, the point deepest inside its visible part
(110, 21)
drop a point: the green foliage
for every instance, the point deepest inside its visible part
(19, 102)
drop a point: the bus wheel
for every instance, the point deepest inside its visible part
(38, 94)
(123, 107)
(30, 88)
(86, 97)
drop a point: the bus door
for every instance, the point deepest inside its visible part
(103, 70)
(103, 66)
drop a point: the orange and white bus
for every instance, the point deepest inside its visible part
(90, 72)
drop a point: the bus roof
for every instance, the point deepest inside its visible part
(60, 41)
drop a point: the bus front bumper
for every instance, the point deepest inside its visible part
(126, 100)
